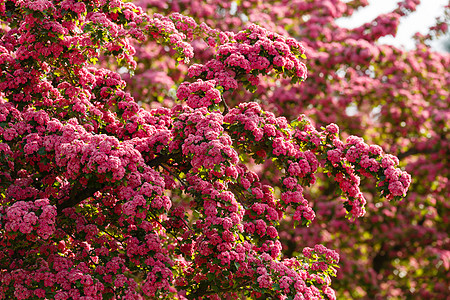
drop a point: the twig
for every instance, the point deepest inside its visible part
(175, 175)
(225, 105)
(117, 239)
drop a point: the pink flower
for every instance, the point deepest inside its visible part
(264, 281)
(396, 188)
(39, 5)
(334, 156)
(332, 128)
(272, 232)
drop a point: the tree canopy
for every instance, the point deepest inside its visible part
(189, 149)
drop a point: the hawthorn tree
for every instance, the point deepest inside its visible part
(161, 150)
(395, 98)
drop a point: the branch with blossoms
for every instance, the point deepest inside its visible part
(297, 150)
(397, 99)
(347, 161)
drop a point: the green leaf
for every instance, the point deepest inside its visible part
(236, 264)
(251, 88)
(41, 151)
(215, 288)
(87, 27)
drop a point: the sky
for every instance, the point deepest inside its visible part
(419, 21)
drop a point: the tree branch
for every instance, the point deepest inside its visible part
(78, 194)
(159, 160)
(414, 151)
(202, 291)
(225, 105)
(175, 175)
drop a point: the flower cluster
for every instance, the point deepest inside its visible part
(201, 137)
(32, 219)
(289, 277)
(348, 160)
(272, 137)
(262, 211)
(199, 94)
(173, 30)
(254, 51)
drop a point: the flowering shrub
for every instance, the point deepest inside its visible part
(107, 195)
(394, 98)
